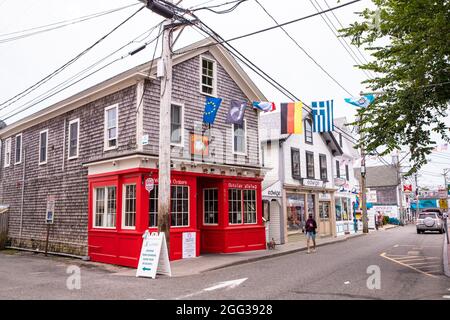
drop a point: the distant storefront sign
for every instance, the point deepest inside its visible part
(313, 183)
(339, 182)
(390, 211)
(372, 196)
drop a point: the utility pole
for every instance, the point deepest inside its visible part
(396, 163)
(363, 186)
(164, 118)
(446, 171)
(417, 196)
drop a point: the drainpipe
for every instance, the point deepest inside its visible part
(64, 145)
(23, 193)
(333, 199)
(282, 177)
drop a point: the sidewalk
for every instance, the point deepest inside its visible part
(208, 262)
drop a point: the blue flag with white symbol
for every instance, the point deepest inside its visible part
(236, 112)
(361, 102)
(322, 112)
(211, 106)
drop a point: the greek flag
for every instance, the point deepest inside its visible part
(322, 112)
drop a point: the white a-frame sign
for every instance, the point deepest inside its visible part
(154, 256)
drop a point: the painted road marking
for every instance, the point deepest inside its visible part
(446, 297)
(221, 285)
(406, 265)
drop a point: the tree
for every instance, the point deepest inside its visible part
(410, 41)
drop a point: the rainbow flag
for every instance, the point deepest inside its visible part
(291, 118)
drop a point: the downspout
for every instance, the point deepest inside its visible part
(23, 193)
(64, 146)
(282, 177)
(333, 199)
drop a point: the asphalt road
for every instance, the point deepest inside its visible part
(409, 265)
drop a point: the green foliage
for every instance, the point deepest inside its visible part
(410, 43)
(385, 220)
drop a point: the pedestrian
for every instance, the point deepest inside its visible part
(311, 227)
(380, 220)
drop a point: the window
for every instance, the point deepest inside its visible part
(347, 175)
(111, 127)
(176, 124)
(309, 165)
(323, 167)
(179, 212)
(239, 141)
(324, 210)
(43, 146)
(7, 152)
(235, 206)
(18, 151)
(211, 206)
(74, 134)
(295, 158)
(208, 83)
(338, 169)
(308, 131)
(340, 139)
(249, 206)
(105, 207)
(153, 207)
(129, 206)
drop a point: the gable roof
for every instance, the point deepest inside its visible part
(133, 76)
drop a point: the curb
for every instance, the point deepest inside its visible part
(445, 256)
(278, 254)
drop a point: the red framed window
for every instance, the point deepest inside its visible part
(242, 206)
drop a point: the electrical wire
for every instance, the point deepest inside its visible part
(304, 50)
(30, 89)
(237, 3)
(26, 107)
(16, 35)
(332, 28)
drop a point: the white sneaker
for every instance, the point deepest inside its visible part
(308, 251)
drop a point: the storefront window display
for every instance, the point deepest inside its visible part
(311, 205)
(343, 209)
(295, 212)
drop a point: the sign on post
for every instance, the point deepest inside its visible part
(50, 212)
(154, 258)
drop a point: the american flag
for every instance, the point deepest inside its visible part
(323, 116)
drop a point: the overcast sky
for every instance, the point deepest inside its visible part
(25, 61)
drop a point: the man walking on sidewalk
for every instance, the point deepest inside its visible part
(311, 227)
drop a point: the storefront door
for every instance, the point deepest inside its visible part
(324, 218)
(296, 215)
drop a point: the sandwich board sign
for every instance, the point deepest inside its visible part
(154, 258)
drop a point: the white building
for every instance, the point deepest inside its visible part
(344, 179)
(299, 180)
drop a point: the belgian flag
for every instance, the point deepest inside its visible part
(291, 118)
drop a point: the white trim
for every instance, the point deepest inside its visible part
(124, 188)
(181, 105)
(245, 139)
(46, 147)
(7, 150)
(15, 148)
(105, 213)
(203, 205)
(140, 114)
(105, 128)
(78, 139)
(256, 207)
(214, 85)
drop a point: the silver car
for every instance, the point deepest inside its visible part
(429, 221)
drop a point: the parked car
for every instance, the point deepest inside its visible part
(430, 220)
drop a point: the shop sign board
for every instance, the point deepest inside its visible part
(339, 182)
(372, 196)
(189, 245)
(324, 196)
(274, 190)
(390, 211)
(313, 183)
(50, 212)
(443, 204)
(154, 258)
(442, 194)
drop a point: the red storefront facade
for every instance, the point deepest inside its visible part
(225, 212)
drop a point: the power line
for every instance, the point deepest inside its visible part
(57, 25)
(210, 8)
(50, 93)
(273, 27)
(341, 42)
(27, 91)
(303, 49)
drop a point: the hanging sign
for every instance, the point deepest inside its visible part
(154, 258)
(149, 184)
(189, 245)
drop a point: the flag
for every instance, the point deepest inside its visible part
(363, 101)
(407, 187)
(211, 107)
(322, 113)
(291, 118)
(236, 112)
(264, 106)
